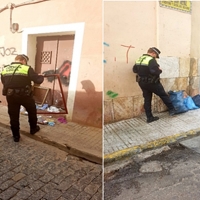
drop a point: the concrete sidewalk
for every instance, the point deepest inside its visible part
(79, 140)
(125, 138)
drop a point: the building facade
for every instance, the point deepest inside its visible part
(60, 37)
(130, 28)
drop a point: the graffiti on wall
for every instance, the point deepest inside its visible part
(8, 51)
(106, 44)
(64, 71)
(130, 46)
(111, 94)
(127, 52)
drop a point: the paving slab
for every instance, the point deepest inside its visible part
(128, 137)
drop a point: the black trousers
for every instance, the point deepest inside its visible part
(14, 103)
(148, 89)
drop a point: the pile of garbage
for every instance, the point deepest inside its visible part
(182, 102)
(47, 108)
(47, 119)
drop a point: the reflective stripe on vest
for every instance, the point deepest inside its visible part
(143, 60)
(9, 69)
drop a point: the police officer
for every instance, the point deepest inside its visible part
(148, 77)
(16, 79)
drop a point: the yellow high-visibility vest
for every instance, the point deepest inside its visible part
(9, 69)
(143, 60)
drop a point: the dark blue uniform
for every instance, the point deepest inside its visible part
(148, 77)
(16, 79)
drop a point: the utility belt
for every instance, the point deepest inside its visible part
(152, 79)
(27, 91)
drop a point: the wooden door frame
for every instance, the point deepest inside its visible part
(29, 36)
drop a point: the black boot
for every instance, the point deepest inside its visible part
(172, 112)
(16, 139)
(152, 119)
(34, 130)
(16, 134)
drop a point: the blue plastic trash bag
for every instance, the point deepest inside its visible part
(196, 100)
(189, 103)
(178, 101)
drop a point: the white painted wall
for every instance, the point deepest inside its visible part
(126, 23)
(143, 24)
(174, 32)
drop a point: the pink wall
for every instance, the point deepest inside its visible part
(52, 13)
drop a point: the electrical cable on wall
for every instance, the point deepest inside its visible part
(14, 27)
(12, 5)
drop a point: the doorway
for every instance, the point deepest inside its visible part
(29, 39)
(54, 56)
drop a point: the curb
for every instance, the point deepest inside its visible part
(67, 148)
(108, 158)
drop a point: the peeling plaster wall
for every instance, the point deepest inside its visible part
(139, 25)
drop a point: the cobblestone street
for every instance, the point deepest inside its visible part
(33, 170)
